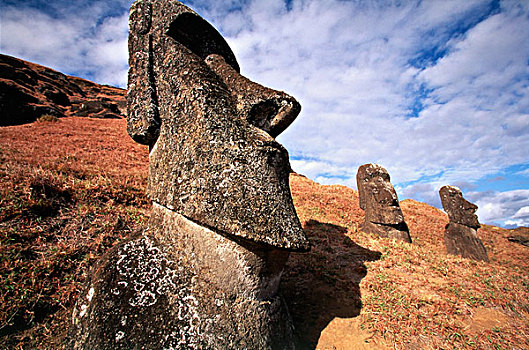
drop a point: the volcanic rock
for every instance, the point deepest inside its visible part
(180, 285)
(270, 110)
(459, 210)
(28, 91)
(520, 235)
(519, 239)
(461, 232)
(379, 200)
(206, 272)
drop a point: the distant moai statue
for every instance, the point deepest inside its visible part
(378, 199)
(205, 272)
(461, 232)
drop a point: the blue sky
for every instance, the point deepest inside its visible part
(435, 91)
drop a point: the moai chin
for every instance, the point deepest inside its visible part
(461, 231)
(206, 271)
(378, 199)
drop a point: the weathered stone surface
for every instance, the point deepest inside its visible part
(205, 274)
(28, 90)
(183, 286)
(519, 239)
(459, 210)
(463, 241)
(270, 110)
(461, 232)
(378, 199)
(520, 235)
(188, 114)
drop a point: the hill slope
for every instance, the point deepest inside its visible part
(29, 90)
(71, 189)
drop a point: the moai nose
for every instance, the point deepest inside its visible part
(275, 114)
(268, 109)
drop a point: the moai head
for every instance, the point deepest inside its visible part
(377, 195)
(459, 210)
(213, 157)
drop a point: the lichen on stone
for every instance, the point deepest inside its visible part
(205, 273)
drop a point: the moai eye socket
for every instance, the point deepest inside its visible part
(201, 38)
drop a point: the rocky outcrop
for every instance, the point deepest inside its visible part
(519, 239)
(461, 232)
(28, 91)
(378, 199)
(520, 235)
(205, 273)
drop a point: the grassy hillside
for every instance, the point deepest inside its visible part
(71, 189)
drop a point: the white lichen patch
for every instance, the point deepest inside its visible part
(142, 267)
(83, 310)
(123, 284)
(120, 335)
(146, 273)
(90, 294)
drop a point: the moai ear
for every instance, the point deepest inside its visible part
(361, 197)
(361, 179)
(143, 121)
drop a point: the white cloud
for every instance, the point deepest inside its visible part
(435, 91)
(425, 192)
(350, 68)
(80, 40)
(522, 213)
(355, 91)
(523, 172)
(510, 207)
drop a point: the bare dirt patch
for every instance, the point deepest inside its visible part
(486, 319)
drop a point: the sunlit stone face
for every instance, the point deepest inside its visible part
(377, 195)
(378, 198)
(213, 156)
(459, 210)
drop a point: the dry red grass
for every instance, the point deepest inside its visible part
(71, 189)
(415, 296)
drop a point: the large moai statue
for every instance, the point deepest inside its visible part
(461, 232)
(205, 272)
(378, 199)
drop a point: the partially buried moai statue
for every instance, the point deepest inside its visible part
(461, 232)
(205, 273)
(378, 199)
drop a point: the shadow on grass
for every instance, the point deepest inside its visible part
(324, 283)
